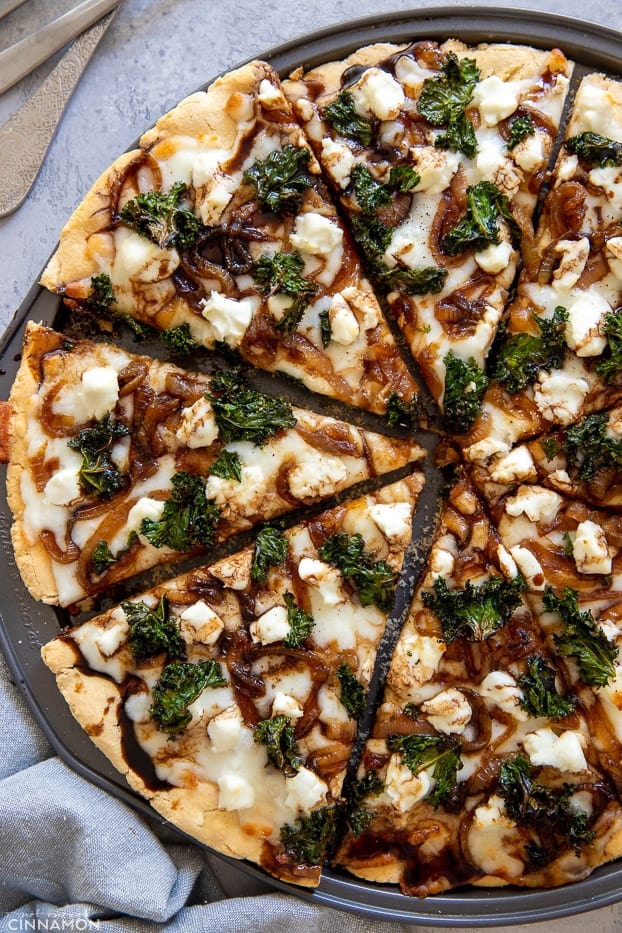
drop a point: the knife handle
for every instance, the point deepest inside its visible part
(26, 136)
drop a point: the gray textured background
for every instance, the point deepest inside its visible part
(154, 53)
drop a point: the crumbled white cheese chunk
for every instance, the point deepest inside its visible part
(144, 508)
(284, 704)
(316, 234)
(197, 426)
(228, 317)
(563, 751)
(503, 691)
(344, 328)
(324, 578)
(529, 152)
(316, 476)
(590, 549)
(271, 626)
(304, 790)
(393, 519)
(496, 99)
(415, 660)
(442, 562)
(494, 258)
(529, 566)
(338, 160)
(234, 793)
(613, 254)
(62, 487)
(573, 257)
(225, 728)
(435, 168)
(269, 95)
(404, 788)
(203, 622)
(560, 395)
(100, 391)
(583, 327)
(378, 93)
(536, 502)
(516, 466)
(449, 711)
(506, 563)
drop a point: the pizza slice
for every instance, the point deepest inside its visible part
(229, 696)
(480, 767)
(218, 231)
(583, 461)
(437, 153)
(118, 462)
(560, 359)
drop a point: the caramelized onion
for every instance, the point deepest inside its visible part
(566, 209)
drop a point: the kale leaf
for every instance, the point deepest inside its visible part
(179, 340)
(401, 414)
(465, 385)
(595, 149)
(326, 329)
(360, 817)
(270, 550)
(277, 734)
(581, 638)
(179, 684)
(444, 101)
(281, 179)
(307, 841)
(545, 810)
(520, 128)
(372, 237)
(540, 695)
(610, 364)
(590, 448)
(440, 752)
(98, 476)
(478, 228)
(523, 356)
(227, 465)
(422, 281)
(153, 631)
(158, 217)
(477, 611)
(372, 194)
(352, 691)
(374, 580)
(342, 115)
(101, 295)
(243, 414)
(281, 274)
(300, 623)
(102, 557)
(188, 518)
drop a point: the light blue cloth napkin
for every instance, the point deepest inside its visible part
(76, 860)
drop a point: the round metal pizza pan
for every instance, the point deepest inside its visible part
(26, 625)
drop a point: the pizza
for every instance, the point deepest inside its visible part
(481, 767)
(437, 153)
(479, 191)
(218, 230)
(119, 462)
(229, 696)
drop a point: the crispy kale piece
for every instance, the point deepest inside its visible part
(444, 101)
(188, 518)
(101, 295)
(227, 465)
(343, 116)
(153, 631)
(326, 329)
(157, 216)
(465, 385)
(179, 340)
(98, 476)
(477, 611)
(243, 414)
(277, 734)
(540, 695)
(479, 228)
(590, 448)
(358, 816)
(545, 810)
(281, 179)
(300, 623)
(374, 580)
(270, 550)
(372, 194)
(581, 638)
(352, 691)
(281, 274)
(423, 281)
(102, 557)
(595, 149)
(179, 684)
(610, 364)
(372, 237)
(440, 752)
(401, 414)
(307, 841)
(523, 356)
(520, 128)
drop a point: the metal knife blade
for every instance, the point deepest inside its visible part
(26, 136)
(20, 59)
